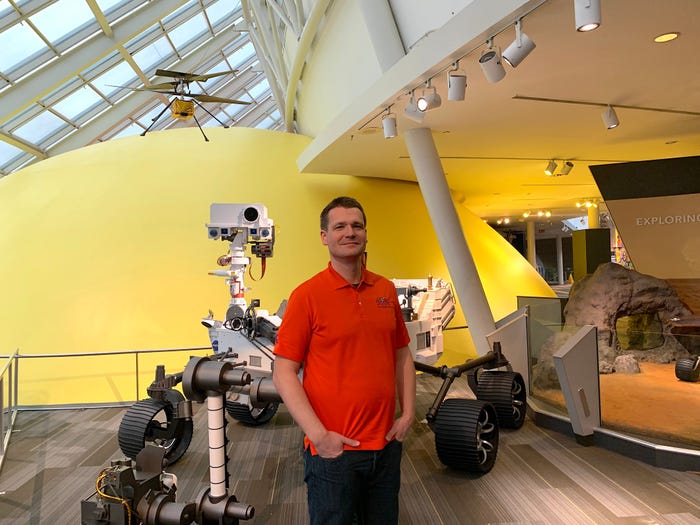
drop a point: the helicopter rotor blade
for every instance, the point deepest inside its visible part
(165, 85)
(209, 98)
(192, 77)
(157, 88)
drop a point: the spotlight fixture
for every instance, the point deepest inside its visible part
(551, 168)
(526, 214)
(456, 83)
(520, 48)
(389, 125)
(429, 99)
(412, 110)
(490, 62)
(587, 15)
(666, 37)
(610, 118)
(567, 167)
(587, 203)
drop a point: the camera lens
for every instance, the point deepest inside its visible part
(250, 214)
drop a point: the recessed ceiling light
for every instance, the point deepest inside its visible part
(666, 37)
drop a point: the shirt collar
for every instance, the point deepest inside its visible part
(338, 282)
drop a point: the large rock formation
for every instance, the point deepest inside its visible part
(613, 292)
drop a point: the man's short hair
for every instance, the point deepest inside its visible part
(340, 202)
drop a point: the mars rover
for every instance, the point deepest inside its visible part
(236, 379)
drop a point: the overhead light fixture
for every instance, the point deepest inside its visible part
(456, 83)
(412, 110)
(551, 168)
(666, 37)
(389, 125)
(610, 118)
(587, 15)
(429, 99)
(521, 47)
(567, 167)
(490, 62)
(587, 203)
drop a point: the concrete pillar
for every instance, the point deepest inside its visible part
(530, 242)
(560, 261)
(593, 217)
(438, 200)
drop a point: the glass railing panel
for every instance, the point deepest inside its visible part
(651, 389)
(90, 378)
(545, 322)
(649, 372)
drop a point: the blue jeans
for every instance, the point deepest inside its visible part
(358, 487)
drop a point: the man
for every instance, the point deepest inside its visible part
(345, 326)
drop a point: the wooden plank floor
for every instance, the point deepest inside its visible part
(540, 477)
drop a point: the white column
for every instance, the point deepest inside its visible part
(560, 261)
(460, 263)
(383, 33)
(530, 242)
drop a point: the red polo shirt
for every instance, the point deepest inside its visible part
(346, 338)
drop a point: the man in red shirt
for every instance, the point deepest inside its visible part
(345, 326)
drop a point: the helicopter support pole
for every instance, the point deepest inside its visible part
(209, 112)
(157, 117)
(200, 128)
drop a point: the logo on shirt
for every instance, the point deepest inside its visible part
(383, 302)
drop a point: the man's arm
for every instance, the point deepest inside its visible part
(406, 389)
(328, 444)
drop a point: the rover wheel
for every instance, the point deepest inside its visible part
(688, 369)
(251, 416)
(466, 434)
(154, 421)
(506, 392)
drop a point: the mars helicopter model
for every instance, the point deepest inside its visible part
(182, 105)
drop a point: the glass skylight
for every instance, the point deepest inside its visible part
(17, 43)
(109, 82)
(184, 33)
(77, 103)
(40, 127)
(218, 11)
(179, 40)
(72, 14)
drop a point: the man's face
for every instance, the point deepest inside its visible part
(346, 236)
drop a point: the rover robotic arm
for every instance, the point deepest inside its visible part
(133, 492)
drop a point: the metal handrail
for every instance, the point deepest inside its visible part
(11, 370)
(11, 410)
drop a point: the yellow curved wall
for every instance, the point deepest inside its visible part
(105, 248)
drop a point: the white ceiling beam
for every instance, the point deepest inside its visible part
(318, 11)
(24, 146)
(100, 17)
(259, 112)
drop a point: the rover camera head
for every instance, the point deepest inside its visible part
(229, 219)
